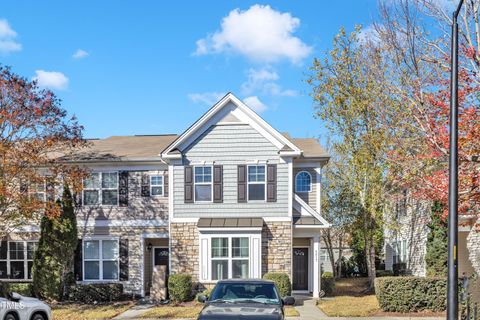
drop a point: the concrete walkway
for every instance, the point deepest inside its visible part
(134, 312)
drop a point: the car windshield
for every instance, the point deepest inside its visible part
(245, 292)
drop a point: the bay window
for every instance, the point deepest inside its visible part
(256, 182)
(100, 259)
(16, 259)
(203, 184)
(101, 188)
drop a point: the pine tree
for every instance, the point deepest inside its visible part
(437, 253)
(53, 261)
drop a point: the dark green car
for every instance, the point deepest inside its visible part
(244, 299)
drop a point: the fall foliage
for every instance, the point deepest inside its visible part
(34, 132)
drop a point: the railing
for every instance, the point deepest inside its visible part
(469, 307)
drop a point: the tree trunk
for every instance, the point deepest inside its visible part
(370, 256)
(340, 254)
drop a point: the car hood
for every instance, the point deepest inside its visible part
(242, 311)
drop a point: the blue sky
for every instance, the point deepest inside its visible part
(152, 67)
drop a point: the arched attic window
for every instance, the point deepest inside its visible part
(303, 182)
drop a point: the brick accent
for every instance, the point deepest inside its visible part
(184, 249)
(277, 247)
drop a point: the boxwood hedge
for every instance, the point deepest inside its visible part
(180, 287)
(411, 294)
(281, 280)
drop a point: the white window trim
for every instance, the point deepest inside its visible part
(296, 184)
(100, 259)
(25, 260)
(162, 185)
(203, 184)
(257, 182)
(398, 248)
(99, 190)
(254, 254)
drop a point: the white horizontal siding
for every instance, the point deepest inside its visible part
(231, 145)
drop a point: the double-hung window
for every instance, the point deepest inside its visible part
(156, 185)
(256, 182)
(100, 259)
(101, 188)
(203, 184)
(400, 251)
(16, 259)
(230, 257)
(37, 190)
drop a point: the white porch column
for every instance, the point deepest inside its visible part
(316, 266)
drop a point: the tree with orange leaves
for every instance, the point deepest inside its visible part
(34, 131)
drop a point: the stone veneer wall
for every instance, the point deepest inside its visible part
(277, 247)
(184, 253)
(473, 245)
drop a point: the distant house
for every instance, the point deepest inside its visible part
(230, 197)
(406, 232)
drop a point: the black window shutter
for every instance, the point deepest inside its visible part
(23, 187)
(123, 188)
(78, 263)
(145, 188)
(271, 182)
(218, 184)
(50, 189)
(242, 183)
(123, 259)
(165, 184)
(188, 184)
(77, 199)
(3, 249)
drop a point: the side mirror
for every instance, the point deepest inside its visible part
(202, 298)
(288, 301)
(15, 296)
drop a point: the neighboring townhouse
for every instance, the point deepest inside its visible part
(406, 233)
(230, 197)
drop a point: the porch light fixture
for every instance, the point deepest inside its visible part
(149, 247)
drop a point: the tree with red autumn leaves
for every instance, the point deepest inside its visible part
(34, 131)
(420, 60)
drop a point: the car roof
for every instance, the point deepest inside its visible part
(246, 281)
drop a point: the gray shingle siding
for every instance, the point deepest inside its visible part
(231, 145)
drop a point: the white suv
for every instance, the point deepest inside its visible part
(18, 307)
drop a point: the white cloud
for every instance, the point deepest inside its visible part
(369, 33)
(208, 98)
(80, 53)
(8, 43)
(259, 33)
(255, 104)
(51, 79)
(263, 80)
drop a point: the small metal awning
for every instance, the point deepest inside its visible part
(228, 223)
(306, 221)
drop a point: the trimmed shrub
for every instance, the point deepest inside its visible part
(384, 273)
(25, 289)
(282, 281)
(180, 287)
(411, 294)
(96, 292)
(205, 293)
(328, 283)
